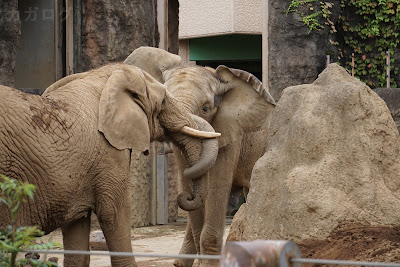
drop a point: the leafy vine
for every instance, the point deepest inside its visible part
(367, 28)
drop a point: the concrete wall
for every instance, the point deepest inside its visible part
(111, 30)
(295, 56)
(209, 17)
(9, 36)
(141, 189)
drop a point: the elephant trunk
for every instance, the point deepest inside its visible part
(200, 154)
(198, 172)
(208, 155)
(192, 201)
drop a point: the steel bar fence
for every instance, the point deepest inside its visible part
(125, 254)
(212, 257)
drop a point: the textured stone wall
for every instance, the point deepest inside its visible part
(172, 177)
(173, 26)
(111, 30)
(10, 32)
(141, 189)
(295, 55)
(392, 98)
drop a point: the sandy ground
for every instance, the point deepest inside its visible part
(160, 239)
(348, 242)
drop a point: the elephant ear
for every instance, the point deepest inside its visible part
(246, 107)
(153, 60)
(124, 108)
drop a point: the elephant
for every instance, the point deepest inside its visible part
(74, 144)
(237, 105)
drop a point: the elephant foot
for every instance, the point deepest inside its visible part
(196, 263)
(208, 263)
(183, 263)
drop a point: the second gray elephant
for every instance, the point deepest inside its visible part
(238, 106)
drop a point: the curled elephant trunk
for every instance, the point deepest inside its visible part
(198, 172)
(191, 201)
(208, 155)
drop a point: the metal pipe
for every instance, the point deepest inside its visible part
(387, 69)
(124, 254)
(265, 45)
(271, 253)
(56, 40)
(162, 21)
(69, 28)
(153, 203)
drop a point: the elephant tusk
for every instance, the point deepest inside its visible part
(199, 134)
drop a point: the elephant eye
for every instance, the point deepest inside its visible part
(206, 109)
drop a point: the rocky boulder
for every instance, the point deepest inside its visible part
(332, 159)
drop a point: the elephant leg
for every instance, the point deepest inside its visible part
(113, 209)
(214, 227)
(217, 201)
(191, 242)
(197, 221)
(116, 225)
(76, 237)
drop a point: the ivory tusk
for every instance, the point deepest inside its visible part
(199, 134)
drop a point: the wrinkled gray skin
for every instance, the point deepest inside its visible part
(74, 144)
(236, 104)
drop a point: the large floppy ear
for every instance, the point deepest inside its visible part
(246, 107)
(124, 108)
(153, 60)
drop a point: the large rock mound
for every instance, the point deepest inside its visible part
(332, 159)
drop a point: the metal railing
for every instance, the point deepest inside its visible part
(280, 253)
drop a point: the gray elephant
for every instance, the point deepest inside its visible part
(237, 105)
(74, 144)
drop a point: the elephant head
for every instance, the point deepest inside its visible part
(233, 101)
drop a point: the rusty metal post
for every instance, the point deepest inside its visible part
(352, 64)
(69, 43)
(387, 69)
(260, 253)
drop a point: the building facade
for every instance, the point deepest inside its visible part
(226, 32)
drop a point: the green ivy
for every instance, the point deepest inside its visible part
(368, 28)
(311, 20)
(14, 237)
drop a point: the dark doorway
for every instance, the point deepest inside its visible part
(40, 57)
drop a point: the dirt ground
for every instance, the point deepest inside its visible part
(356, 242)
(160, 239)
(347, 242)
